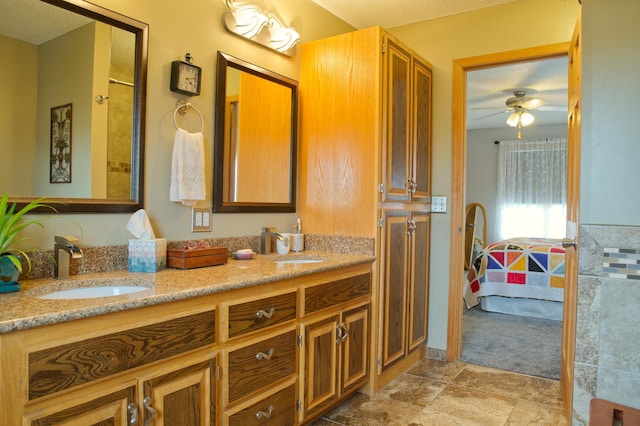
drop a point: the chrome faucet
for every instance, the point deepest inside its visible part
(267, 237)
(64, 249)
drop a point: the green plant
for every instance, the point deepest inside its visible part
(12, 223)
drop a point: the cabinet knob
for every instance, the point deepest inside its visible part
(265, 414)
(265, 314)
(267, 355)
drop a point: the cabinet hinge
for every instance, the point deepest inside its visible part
(381, 222)
(381, 188)
(298, 405)
(384, 47)
(299, 339)
(378, 361)
(217, 372)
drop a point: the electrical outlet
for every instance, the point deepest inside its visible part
(200, 219)
(439, 204)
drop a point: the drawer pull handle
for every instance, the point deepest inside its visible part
(265, 414)
(132, 409)
(268, 355)
(266, 314)
(345, 331)
(152, 412)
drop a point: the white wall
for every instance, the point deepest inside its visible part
(611, 134)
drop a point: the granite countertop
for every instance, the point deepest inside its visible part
(23, 309)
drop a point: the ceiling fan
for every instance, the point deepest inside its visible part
(520, 105)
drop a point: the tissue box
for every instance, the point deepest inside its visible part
(147, 255)
(197, 258)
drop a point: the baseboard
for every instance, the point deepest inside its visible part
(437, 354)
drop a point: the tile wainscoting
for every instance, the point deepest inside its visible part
(607, 364)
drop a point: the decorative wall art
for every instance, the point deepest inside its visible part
(60, 171)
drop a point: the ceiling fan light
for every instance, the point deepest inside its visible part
(526, 119)
(513, 119)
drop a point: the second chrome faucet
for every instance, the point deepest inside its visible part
(267, 239)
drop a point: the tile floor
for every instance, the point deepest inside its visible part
(438, 393)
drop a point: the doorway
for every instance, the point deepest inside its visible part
(459, 159)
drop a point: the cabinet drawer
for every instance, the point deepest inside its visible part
(277, 409)
(326, 295)
(63, 367)
(258, 314)
(261, 364)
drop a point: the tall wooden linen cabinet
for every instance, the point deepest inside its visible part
(365, 141)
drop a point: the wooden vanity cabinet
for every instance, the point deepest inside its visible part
(246, 356)
(334, 336)
(104, 370)
(260, 358)
(365, 143)
(183, 396)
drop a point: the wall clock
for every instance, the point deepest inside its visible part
(185, 77)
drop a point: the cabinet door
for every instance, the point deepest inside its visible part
(184, 397)
(394, 286)
(117, 408)
(397, 118)
(418, 279)
(320, 372)
(421, 129)
(355, 344)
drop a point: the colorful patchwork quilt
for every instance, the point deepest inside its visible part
(518, 267)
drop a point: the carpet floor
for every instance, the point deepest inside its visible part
(513, 343)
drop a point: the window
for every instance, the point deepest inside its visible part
(532, 188)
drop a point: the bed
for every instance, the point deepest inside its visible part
(519, 276)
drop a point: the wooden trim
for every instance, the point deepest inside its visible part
(459, 159)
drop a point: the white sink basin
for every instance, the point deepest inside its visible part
(93, 292)
(91, 288)
(297, 261)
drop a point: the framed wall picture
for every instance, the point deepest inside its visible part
(60, 159)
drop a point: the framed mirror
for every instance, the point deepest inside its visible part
(72, 120)
(255, 140)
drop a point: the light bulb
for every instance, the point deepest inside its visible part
(513, 119)
(526, 119)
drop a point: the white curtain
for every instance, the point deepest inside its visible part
(532, 188)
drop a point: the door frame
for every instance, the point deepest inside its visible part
(459, 165)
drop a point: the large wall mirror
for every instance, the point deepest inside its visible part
(256, 138)
(72, 115)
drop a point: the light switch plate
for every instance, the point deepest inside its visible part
(200, 219)
(439, 204)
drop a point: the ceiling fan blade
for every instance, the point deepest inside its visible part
(490, 115)
(552, 108)
(531, 104)
(484, 108)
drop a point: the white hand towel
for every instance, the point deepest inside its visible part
(187, 168)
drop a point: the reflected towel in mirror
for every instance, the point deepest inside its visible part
(187, 168)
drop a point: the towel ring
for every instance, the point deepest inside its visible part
(182, 107)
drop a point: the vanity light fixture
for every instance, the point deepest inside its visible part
(249, 21)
